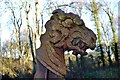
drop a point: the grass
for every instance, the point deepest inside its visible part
(98, 72)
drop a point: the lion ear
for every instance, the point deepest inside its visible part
(57, 11)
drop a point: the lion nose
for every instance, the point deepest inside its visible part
(93, 45)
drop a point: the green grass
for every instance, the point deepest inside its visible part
(109, 72)
(102, 72)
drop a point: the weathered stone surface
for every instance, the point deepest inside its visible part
(64, 31)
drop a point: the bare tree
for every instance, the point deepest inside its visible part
(111, 21)
(17, 23)
(107, 43)
(30, 33)
(94, 8)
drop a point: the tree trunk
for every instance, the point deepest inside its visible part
(109, 56)
(37, 19)
(17, 27)
(95, 10)
(116, 54)
(107, 45)
(77, 61)
(70, 73)
(102, 55)
(30, 42)
(110, 15)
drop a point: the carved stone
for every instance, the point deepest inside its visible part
(64, 31)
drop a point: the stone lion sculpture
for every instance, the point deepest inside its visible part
(64, 31)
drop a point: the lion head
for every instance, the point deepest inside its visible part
(64, 31)
(68, 31)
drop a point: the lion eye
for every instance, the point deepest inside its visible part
(92, 39)
(75, 41)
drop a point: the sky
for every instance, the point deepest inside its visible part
(6, 29)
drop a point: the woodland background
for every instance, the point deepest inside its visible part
(25, 20)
